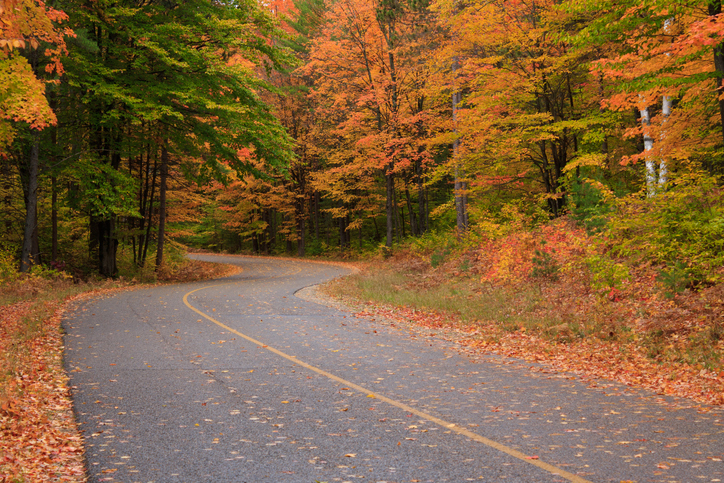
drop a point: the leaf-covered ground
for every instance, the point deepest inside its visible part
(39, 439)
(574, 310)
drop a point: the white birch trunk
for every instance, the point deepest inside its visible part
(648, 147)
(665, 113)
(663, 170)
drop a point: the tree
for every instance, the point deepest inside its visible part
(368, 68)
(180, 80)
(521, 121)
(663, 60)
(27, 27)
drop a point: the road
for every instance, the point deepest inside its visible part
(239, 380)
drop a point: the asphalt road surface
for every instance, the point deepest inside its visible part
(239, 380)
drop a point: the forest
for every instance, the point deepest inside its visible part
(541, 179)
(132, 130)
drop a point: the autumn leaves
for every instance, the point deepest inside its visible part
(412, 111)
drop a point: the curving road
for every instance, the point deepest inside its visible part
(238, 380)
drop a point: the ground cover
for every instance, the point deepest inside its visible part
(39, 439)
(557, 296)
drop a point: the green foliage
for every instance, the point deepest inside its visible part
(316, 247)
(439, 256)
(544, 265)
(683, 227)
(103, 191)
(588, 206)
(8, 264)
(431, 241)
(171, 69)
(674, 279)
(439, 245)
(48, 272)
(605, 273)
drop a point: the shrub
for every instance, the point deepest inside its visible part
(605, 273)
(544, 265)
(674, 279)
(8, 264)
(588, 207)
(683, 227)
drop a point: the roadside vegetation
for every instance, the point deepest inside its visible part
(631, 290)
(39, 440)
(544, 175)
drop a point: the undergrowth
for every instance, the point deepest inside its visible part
(566, 283)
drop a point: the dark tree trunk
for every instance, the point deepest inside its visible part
(316, 215)
(54, 218)
(301, 237)
(29, 255)
(343, 232)
(5, 171)
(389, 208)
(162, 207)
(413, 221)
(461, 205)
(107, 247)
(715, 9)
(340, 222)
(396, 211)
(54, 190)
(147, 219)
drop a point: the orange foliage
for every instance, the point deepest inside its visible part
(676, 62)
(26, 23)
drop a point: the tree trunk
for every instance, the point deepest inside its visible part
(107, 247)
(389, 211)
(340, 224)
(54, 190)
(54, 218)
(413, 221)
(421, 200)
(301, 231)
(5, 172)
(398, 220)
(648, 147)
(162, 207)
(148, 210)
(29, 257)
(715, 9)
(459, 187)
(316, 214)
(663, 169)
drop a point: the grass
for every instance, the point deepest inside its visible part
(507, 290)
(462, 299)
(527, 307)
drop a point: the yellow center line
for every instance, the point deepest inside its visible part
(451, 426)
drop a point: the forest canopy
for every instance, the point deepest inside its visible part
(320, 126)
